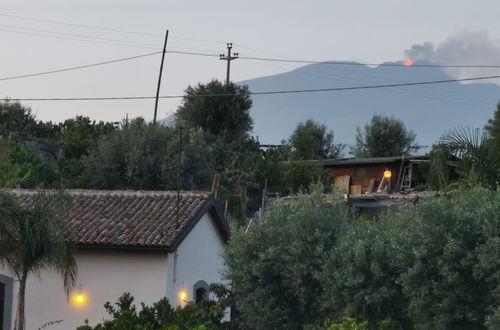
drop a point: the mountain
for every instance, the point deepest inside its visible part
(429, 110)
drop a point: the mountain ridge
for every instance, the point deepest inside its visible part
(429, 110)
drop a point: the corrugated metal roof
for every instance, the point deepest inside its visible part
(373, 160)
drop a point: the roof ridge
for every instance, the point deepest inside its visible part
(111, 192)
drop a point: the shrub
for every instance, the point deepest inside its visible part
(274, 267)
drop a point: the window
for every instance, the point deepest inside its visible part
(359, 173)
(6, 286)
(200, 290)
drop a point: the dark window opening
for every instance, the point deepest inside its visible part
(360, 173)
(2, 305)
(201, 295)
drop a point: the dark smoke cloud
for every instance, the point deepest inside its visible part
(467, 48)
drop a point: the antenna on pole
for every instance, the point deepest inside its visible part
(159, 78)
(229, 57)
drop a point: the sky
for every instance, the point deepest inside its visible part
(354, 30)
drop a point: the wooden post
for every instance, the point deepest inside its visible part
(264, 200)
(243, 200)
(215, 184)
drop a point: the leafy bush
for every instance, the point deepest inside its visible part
(274, 267)
(431, 266)
(160, 316)
(21, 165)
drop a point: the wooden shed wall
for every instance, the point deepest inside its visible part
(372, 171)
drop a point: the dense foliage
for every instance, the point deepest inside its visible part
(311, 140)
(493, 125)
(429, 266)
(274, 267)
(383, 137)
(161, 316)
(226, 116)
(21, 167)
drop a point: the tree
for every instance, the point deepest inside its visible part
(493, 126)
(34, 239)
(298, 176)
(441, 245)
(79, 135)
(361, 278)
(274, 267)
(383, 137)
(139, 156)
(16, 118)
(21, 166)
(312, 141)
(142, 155)
(477, 156)
(227, 116)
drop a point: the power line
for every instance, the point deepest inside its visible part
(297, 91)
(78, 67)
(77, 25)
(76, 35)
(93, 27)
(269, 59)
(78, 39)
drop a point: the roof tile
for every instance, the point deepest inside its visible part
(125, 218)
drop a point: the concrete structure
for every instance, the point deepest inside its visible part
(157, 258)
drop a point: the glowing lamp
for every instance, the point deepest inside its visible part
(183, 296)
(387, 174)
(80, 299)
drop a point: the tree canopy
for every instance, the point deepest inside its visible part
(312, 141)
(273, 268)
(383, 137)
(227, 116)
(493, 125)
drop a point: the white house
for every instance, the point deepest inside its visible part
(127, 241)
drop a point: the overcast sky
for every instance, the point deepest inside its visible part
(359, 30)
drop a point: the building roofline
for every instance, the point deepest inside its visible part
(220, 222)
(373, 160)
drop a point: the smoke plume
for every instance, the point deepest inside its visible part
(464, 48)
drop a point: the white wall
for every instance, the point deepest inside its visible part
(199, 257)
(103, 275)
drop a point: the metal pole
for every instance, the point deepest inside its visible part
(159, 78)
(179, 176)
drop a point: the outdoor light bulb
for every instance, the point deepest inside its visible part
(80, 299)
(183, 296)
(387, 174)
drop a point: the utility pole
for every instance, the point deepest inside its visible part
(179, 155)
(229, 57)
(159, 78)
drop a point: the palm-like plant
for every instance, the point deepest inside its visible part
(477, 156)
(33, 239)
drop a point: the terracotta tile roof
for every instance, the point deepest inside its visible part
(131, 218)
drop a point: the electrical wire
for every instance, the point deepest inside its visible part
(100, 28)
(79, 67)
(269, 59)
(297, 91)
(78, 39)
(77, 35)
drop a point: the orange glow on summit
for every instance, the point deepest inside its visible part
(409, 62)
